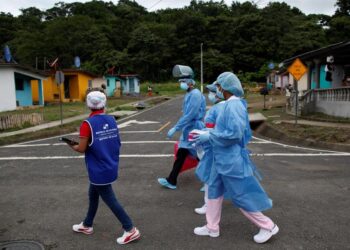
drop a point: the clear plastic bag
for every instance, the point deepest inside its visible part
(183, 71)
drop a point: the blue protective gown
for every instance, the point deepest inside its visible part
(205, 164)
(233, 171)
(193, 112)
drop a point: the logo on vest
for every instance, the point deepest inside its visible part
(106, 133)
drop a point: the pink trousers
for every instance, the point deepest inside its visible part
(213, 216)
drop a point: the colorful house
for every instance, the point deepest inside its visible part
(98, 82)
(74, 87)
(130, 84)
(114, 86)
(325, 88)
(316, 63)
(16, 88)
(282, 80)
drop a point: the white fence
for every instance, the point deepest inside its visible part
(19, 120)
(334, 102)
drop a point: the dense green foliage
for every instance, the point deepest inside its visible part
(241, 37)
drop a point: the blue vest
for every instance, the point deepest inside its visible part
(102, 154)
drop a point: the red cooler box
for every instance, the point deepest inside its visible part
(190, 162)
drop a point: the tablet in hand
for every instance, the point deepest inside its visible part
(68, 141)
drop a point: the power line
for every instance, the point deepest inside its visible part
(257, 1)
(154, 4)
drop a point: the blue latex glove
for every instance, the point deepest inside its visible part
(202, 138)
(171, 132)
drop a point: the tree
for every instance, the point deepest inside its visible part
(240, 37)
(343, 8)
(339, 29)
(7, 28)
(149, 51)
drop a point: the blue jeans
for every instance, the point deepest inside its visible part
(107, 194)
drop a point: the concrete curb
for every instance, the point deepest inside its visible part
(266, 130)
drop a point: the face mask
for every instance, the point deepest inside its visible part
(219, 94)
(212, 97)
(183, 86)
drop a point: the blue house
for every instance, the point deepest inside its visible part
(16, 86)
(130, 84)
(113, 85)
(324, 84)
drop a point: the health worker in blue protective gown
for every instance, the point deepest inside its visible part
(233, 173)
(193, 112)
(205, 164)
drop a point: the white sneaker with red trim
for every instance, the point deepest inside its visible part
(127, 237)
(80, 228)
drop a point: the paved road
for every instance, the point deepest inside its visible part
(43, 187)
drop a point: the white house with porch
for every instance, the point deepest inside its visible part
(325, 88)
(15, 86)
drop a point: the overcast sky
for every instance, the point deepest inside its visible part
(306, 6)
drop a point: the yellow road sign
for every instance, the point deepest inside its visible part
(297, 69)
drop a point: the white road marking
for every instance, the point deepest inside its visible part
(297, 147)
(28, 145)
(138, 132)
(64, 144)
(123, 142)
(147, 156)
(130, 122)
(16, 158)
(145, 142)
(302, 154)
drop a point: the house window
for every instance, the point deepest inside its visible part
(19, 84)
(107, 82)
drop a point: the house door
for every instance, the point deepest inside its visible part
(66, 88)
(131, 86)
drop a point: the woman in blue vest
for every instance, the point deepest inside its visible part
(99, 140)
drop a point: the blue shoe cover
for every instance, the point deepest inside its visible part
(165, 183)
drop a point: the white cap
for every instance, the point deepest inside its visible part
(96, 100)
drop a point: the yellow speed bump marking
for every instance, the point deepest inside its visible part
(163, 127)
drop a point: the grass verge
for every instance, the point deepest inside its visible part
(54, 131)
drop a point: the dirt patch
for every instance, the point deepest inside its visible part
(323, 134)
(310, 136)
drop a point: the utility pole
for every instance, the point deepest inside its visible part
(296, 100)
(202, 67)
